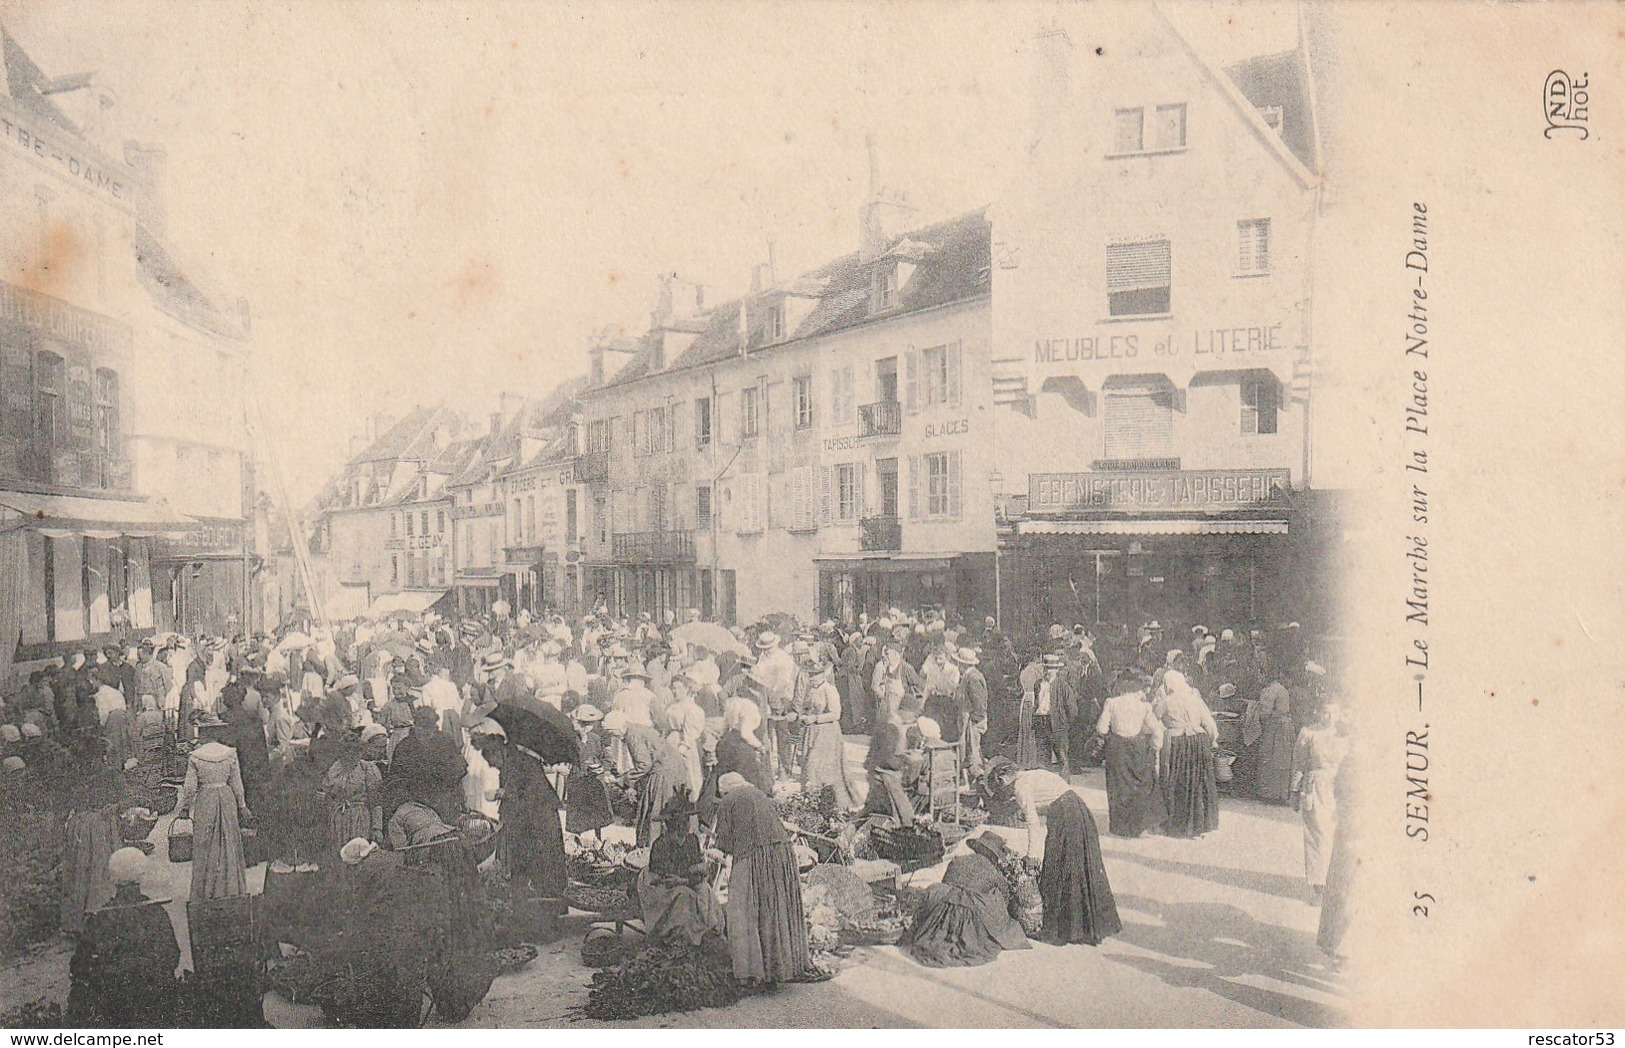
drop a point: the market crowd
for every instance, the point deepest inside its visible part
(355, 758)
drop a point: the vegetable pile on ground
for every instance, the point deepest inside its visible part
(665, 978)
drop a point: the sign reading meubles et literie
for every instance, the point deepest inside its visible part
(1163, 490)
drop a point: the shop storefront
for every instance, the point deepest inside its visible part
(960, 585)
(76, 572)
(1180, 547)
(200, 578)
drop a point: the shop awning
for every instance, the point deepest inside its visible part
(63, 516)
(347, 602)
(479, 581)
(413, 602)
(1151, 527)
(884, 562)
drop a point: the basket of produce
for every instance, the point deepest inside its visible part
(480, 834)
(875, 931)
(510, 959)
(911, 847)
(659, 979)
(134, 824)
(591, 898)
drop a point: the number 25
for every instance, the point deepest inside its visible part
(1420, 910)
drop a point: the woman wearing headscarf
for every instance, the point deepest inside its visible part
(586, 797)
(1188, 787)
(964, 920)
(1078, 902)
(767, 929)
(1134, 737)
(124, 962)
(213, 798)
(825, 765)
(884, 766)
(353, 789)
(676, 901)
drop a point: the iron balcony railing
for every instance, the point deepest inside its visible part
(881, 419)
(653, 547)
(882, 533)
(592, 467)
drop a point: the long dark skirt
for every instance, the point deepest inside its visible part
(1078, 903)
(1188, 787)
(533, 838)
(767, 928)
(1132, 798)
(586, 802)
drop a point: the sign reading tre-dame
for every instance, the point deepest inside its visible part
(1214, 489)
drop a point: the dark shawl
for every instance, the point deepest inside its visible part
(1078, 903)
(746, 820)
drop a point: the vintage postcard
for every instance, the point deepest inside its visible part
(913, 514)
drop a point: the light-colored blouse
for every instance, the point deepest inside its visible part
(1130, 715)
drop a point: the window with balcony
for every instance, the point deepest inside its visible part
(804, 401)
(1260, 404)
(1139, 278)
(749, 414)
(598, 435)
(1253, 246)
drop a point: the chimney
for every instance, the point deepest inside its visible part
(595, 371)
(1051, 80)
(886, 214)
(151, 165)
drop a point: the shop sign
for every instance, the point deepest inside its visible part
(201, 540)
(1136, 490)
(50, 150)
(956, 428)
(54, 317)
(1241, 342)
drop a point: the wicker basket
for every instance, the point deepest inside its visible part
(136, 830)
(180, 840)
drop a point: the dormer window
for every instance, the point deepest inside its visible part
(1274, 116)
(775, 322)
(883, 291)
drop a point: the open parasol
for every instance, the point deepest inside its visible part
(293, 640)
(540, 728)
(708, 635)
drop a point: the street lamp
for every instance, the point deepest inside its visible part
(995, 483)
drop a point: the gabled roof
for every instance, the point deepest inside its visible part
(1245, 109)
(23, 78)
(413, 437)
(1282, 80)
(951, 258)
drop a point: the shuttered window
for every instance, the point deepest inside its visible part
(934, 486)
(1253, 239)
(1138, 277)
(1139, 425)
(1260, 402)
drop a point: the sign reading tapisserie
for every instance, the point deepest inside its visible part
(1212, 489)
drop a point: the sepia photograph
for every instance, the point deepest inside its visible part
(721, 516)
